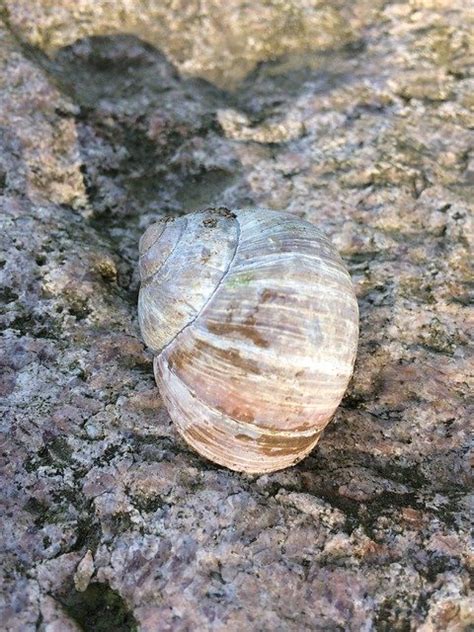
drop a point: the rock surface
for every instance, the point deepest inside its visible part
(220, 41)
(109, 521)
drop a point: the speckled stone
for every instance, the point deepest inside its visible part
(372, 143)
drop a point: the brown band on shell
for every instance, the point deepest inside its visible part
(224, 440)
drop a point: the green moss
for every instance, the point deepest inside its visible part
(56, 453)
(418, 289)
(100, 609)
(88, 532)
(435, 337)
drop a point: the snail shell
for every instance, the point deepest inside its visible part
(253, 321)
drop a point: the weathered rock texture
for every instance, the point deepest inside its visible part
(220, 41)
(109, 522)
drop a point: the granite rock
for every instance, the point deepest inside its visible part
(109, 521)
(219, 41)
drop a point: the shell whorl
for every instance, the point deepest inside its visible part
(182, 261)
(254, 323)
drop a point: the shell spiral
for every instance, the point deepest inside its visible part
(253, 321)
